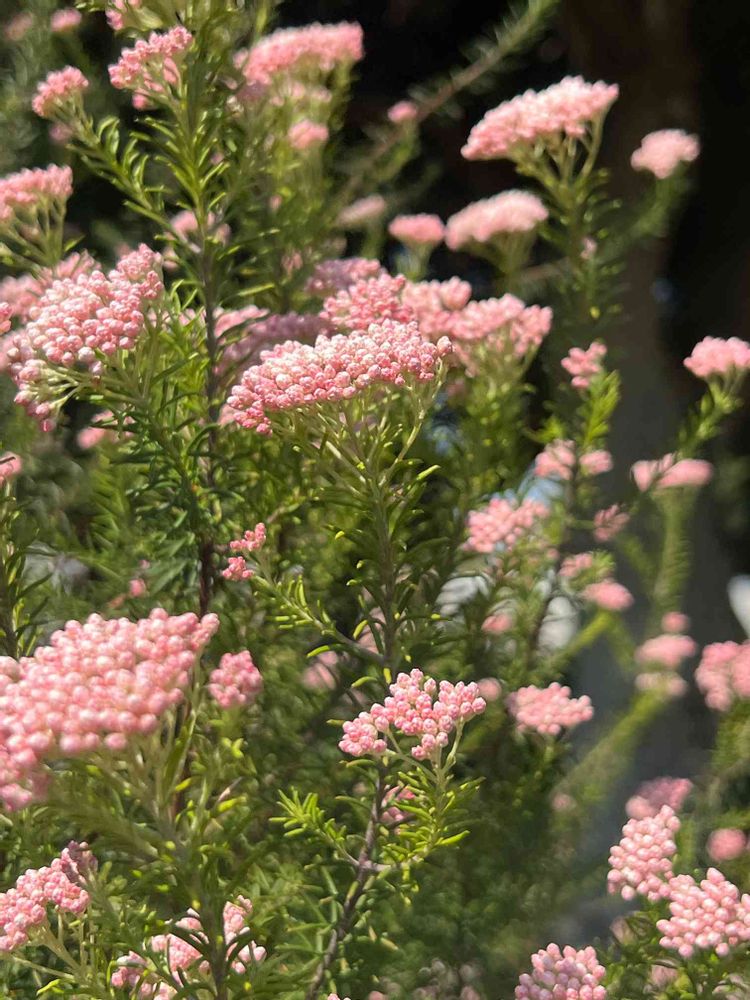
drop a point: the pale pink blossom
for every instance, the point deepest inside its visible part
(663, 683)
(507, 213)
(237, 567)
(331, 276)
(60, 93)
(548, 710)
(723, 674)
(573, 566)
(318, 48)
(153, 66)
(363, 212)
(417, 707)
(713, 356)
(662, 152)
(559, 460)
(18, 27)
(402, 111)
(306, 134)
(504, 324)
(120, 13)
(726, 844)
(584, 365)
(668, 650)
(708, 916)
(608, 595)
(294, 375)
(675, 622)
(417, 230)
(652, 795)
(368, 302)
(10, 466)
(497, 623)
(489, 688)
(563, 974)
(31, 192)
(609, 522)
(236, 682)
(670, 473)
(64, 20)
(504, 523)
(566, 109)
(641, 863)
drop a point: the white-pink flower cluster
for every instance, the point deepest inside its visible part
(26, 194)
(10, 466)
(668, 650)
(331, 276)
(584, 365)
(152, 66)
(294, 375)
(652, 795)
(60, 93)
(97, 686)
(566, 109)
(609, 522)
(641, 863)
(81, 321)
(236, 682)
(723, 674)
(559, 460)
(505, 325)
(363, 212)
(662, 152)
(366, 302)
(708, 916)
(726, 844)
(417, 230)
(64, 20)
(309, 51)
(306, 134)
(237, 567)
(563, 974)
(417, 707)
(59, 884)
(548, 710)
(504, 523)
(670, 472)
(714, 356)
(609, 595)
(510, 212)
(402, 112)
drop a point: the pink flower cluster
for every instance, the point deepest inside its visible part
(504, 324)
(60, 93)
(713, 356)
(64, 20)
(331, 276)
(668, 650)
(709, 916)
(583, 365)
(675, 622)
(565, 109)
(367, 302)
(417, 707)
(23, 292)
(609, 595)
(81, 320)
(652, 795)
(237, 567)
(152, 66)
(29, 192)
(609, 522)
(510, 212)
(417, 230)
(182, 955)
(559, 461)
(306, 134)
(98, 685)
(315, 49)
(10, 466)
(563, 974)
(670, 473)
(120, 13)
(641, 863)
(362, 212)
(24, 907)
(295, 375)
(726, 844)
(662, 152)
(573, 566)
(402, 111)
(437, 305)
(548, 710)
(723, 674)
(236, 682)
(504, 523)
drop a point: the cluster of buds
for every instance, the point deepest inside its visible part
(237, 567)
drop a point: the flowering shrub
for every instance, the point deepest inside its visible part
(294, 577)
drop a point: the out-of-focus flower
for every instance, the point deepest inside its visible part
(662, 152)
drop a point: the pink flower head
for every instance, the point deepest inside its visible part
(723, 674)
(98, 686)
(706, 916)
(726, 844)
(30, 193)
(23, 292)
(573, 566)
(122, 14)
(668, 650)
(18, 27)
(504, 324)
(362, 213)
(548, 710)
(59, 885)
(368, 302)
(563, 974)
(64, 20)
(315, 49)
(541, 118)
(669, 473)
(417, 230)
(153, 66)
(664, 683)
(641, 864)
(662, 152)
(237, 566)
(417, 707)
(489, 688)
(558, 461)
(714, 357)
(294, 375)
(507, 213)
(331, 276)
(504, 523)
(82, 321)
(497, 623)
(306, 134)
(402, 111)
(675, 621)
(236, 682)
(608, 595)
(584, 365)
(10, 466)
(652, 795)
(609, 522)
(60, 94)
